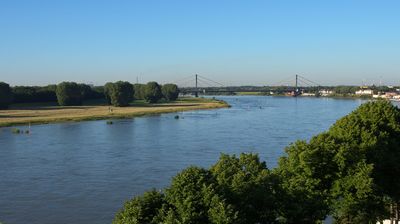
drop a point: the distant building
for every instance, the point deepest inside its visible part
(325, 92)
(364, 92)
(387, 95)
(390, 95)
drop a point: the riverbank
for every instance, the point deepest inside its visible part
(44, 113)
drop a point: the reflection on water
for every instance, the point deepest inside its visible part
(83, 172)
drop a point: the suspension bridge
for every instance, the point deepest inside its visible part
(201, 85)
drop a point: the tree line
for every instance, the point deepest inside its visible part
(349, 172)
(70, 93)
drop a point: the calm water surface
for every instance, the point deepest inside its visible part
(83, 172)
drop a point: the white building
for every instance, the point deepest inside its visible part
(325, 92)
(365, 92)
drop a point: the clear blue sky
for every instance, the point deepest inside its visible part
(233, 42)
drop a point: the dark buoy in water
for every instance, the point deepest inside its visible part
(176, 117)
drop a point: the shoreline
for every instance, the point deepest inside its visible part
(36, 115)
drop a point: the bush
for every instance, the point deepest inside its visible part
(69, 94)
(152, 92)
(6, 96)
(170, 91)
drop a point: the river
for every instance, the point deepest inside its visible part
(83, 172)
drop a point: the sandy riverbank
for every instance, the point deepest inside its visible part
(41, 114)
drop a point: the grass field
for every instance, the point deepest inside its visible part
(25, 114)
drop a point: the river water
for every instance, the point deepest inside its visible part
(83, 172)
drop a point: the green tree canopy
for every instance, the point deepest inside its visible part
(350, 171)
(141, 209)
(139, 91)
(6, 95)
(170, 91)
(69, 94)
(120, 93)
(152, 92)
(234, 190)
(107, 91)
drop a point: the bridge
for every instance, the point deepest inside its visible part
(200, 85)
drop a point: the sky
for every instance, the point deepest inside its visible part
(233, 42)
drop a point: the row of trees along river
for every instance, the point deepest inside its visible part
(70, 93)
(349, 172)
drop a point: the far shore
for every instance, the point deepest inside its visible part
(48, 113)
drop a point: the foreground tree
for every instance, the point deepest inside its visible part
(69, 94)
(6, 96)
(152, 92)
(141, 209)
(170, 92)
(367, 159)
(248, 187)
(307, 175)
(350, 171)
(234, 190)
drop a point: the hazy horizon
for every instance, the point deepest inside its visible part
(233, 42)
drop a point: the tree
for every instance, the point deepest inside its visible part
(170, 91)
(107, 91)
(249, 188)
(307, 175)
(350, 171)
(368, 142)
(190, 193)
(69, 94)
(33, 94)
(234, 190)
(121, 93)
(6, 96)
(141, 209)
(152, 92)
(86, 91)
(139, 90)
